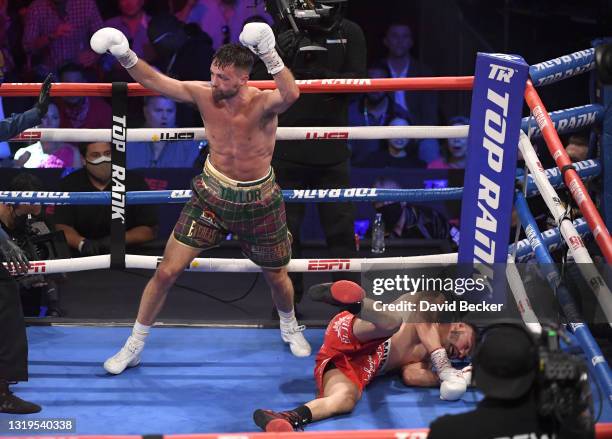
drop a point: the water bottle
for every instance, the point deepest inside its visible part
(378, 235)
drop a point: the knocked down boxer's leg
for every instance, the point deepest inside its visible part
(340, 395)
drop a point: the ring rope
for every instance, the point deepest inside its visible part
(342, 85)
(582, 62)
(520, 296)
(595, 359)
(551, 238)
(586, 169)
(572, 180)
(563, 67)
(565, 121)
(602, 431)
(282, 133)
(575, 244)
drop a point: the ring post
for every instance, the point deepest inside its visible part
(118, 192)
(495, 122)
(604, 95)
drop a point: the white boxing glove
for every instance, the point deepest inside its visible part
(453, 384)
(259, 38)
(453, 389)
(109, 39)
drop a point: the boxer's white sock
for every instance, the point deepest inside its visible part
(140, 331)
(287, 317)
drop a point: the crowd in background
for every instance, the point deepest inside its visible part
(179, 38)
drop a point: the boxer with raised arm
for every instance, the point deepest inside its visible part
(356, 349)
(236, 192)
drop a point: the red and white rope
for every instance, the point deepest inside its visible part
(571, 178)
(575, 244)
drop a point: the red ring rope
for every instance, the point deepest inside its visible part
(306, 86)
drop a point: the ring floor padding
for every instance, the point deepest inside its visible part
(199, 380)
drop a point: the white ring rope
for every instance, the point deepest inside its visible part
(223, 265)
(568, 231)
(226, 265)
(282, 133)
(520, 296)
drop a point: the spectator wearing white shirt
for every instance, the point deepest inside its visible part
(48, 154)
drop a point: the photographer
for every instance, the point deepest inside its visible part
(14, 348)
(327, 46)
(24, 223)
(517, 399)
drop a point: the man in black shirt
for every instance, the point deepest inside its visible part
(87, 228)
(13, 342)
(184, 52)
(320, 164)
(505, 368)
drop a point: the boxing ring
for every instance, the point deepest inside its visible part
(243, 365)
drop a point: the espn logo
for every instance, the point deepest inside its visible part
(35, 267)
(38, 267)
(575, 242)
(329, 264)
(28, 135)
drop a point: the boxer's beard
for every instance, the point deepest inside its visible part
(219, 95)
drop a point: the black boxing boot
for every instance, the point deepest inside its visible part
(290, 420)
(9, 403)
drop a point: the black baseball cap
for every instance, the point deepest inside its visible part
(505, 363)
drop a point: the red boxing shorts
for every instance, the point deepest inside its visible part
(360, 362)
